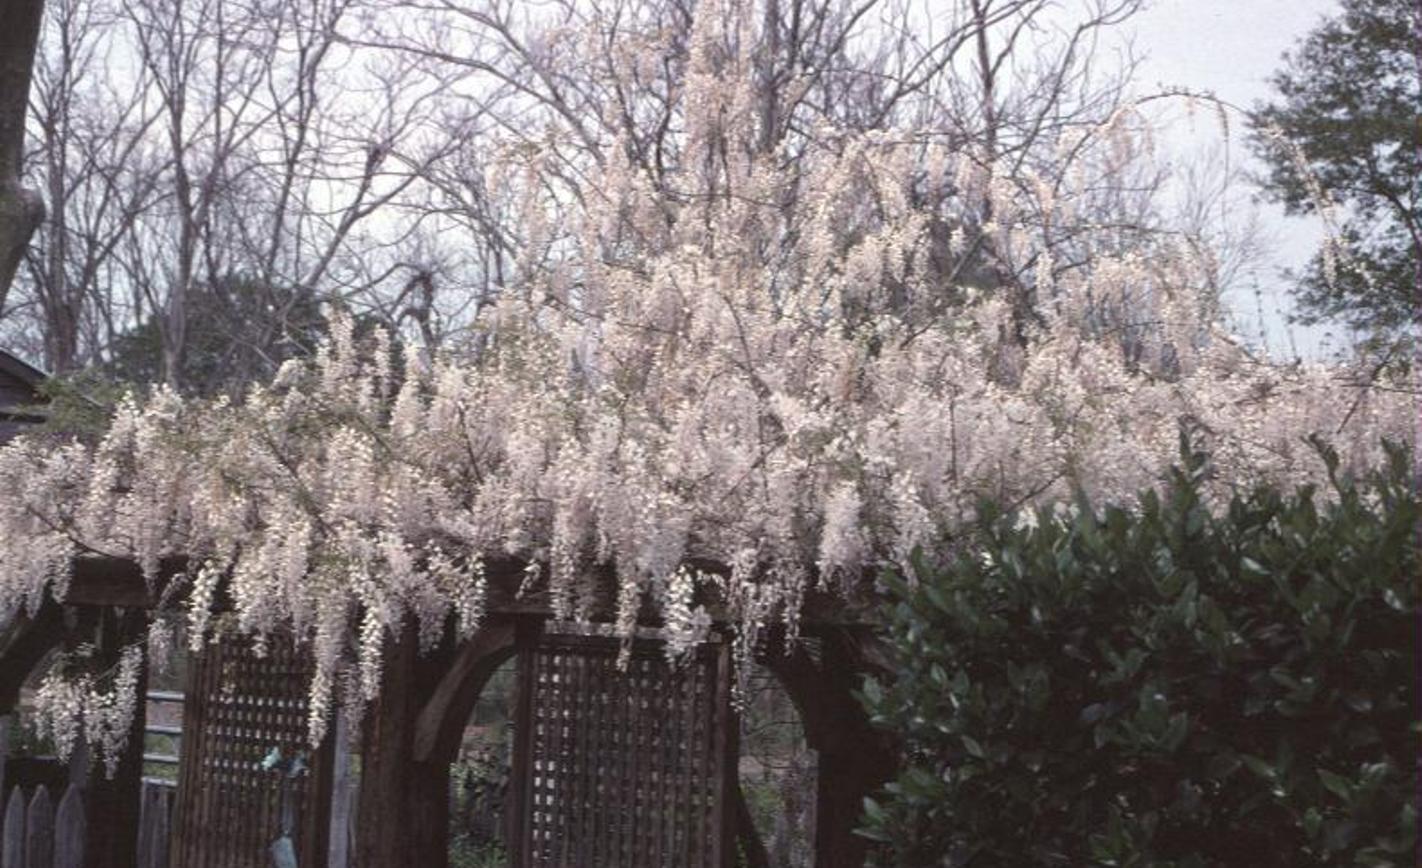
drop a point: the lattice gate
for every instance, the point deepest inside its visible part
(622, 769)
(238, 707)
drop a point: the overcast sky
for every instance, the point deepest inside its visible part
(1231, 47)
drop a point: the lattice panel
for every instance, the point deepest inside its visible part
(623, 769)
(238, 707)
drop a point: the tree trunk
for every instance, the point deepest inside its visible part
(21, 210)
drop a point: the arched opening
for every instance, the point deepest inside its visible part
(645, 758)
(777, 774)
(479, 776)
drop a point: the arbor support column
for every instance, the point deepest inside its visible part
(403, 810)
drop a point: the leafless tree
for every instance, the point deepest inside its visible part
(1009, 81)
(99, 178)
(272, 156)
(211, 165)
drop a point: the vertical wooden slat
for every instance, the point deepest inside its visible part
(160, 824)
(145, 826)
(12, 849)
(681, 789)
(592, 705)
(728, 729)
(341, 802)
(516, 805)
(602, 761)
(154, 842)
(702, 770)
(70, 830)
(636, 734)
(39, 830)
(611, 758)
(547, 754)
(633, 732)
(4, 749)
(191, 754)
(585, 779)
(558, 807)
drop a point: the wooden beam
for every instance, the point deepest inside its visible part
(106, 581)
(443, 717)
(102, 581)
(517, 799)
(402, 815)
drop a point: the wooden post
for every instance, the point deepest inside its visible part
(516, 801)
(153, 838)
(411, 734)
(855, 760)
(151, 807)
(403, 812)
(728, 736)
(4, 749)
(114, 803)
(340, 835)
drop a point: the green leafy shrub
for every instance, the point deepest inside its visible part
(1163, 686)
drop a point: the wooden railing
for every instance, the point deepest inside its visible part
(164, 697)
(158, 794)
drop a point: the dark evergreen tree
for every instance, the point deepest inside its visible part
(240, 333)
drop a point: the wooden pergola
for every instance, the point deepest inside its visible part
(566, 684)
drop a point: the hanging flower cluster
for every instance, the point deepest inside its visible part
(67, 707)
(798, 392)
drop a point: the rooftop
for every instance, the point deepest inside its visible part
(19, 393)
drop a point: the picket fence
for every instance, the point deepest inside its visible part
(38, 833)
(38, 836)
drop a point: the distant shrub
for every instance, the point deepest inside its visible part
(1163, 686)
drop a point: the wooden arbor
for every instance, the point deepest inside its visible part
(598, 761)
(576, 724)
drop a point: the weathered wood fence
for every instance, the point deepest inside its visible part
(37, 833)
(155, 821)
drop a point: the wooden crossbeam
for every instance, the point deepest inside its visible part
(118, 582)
